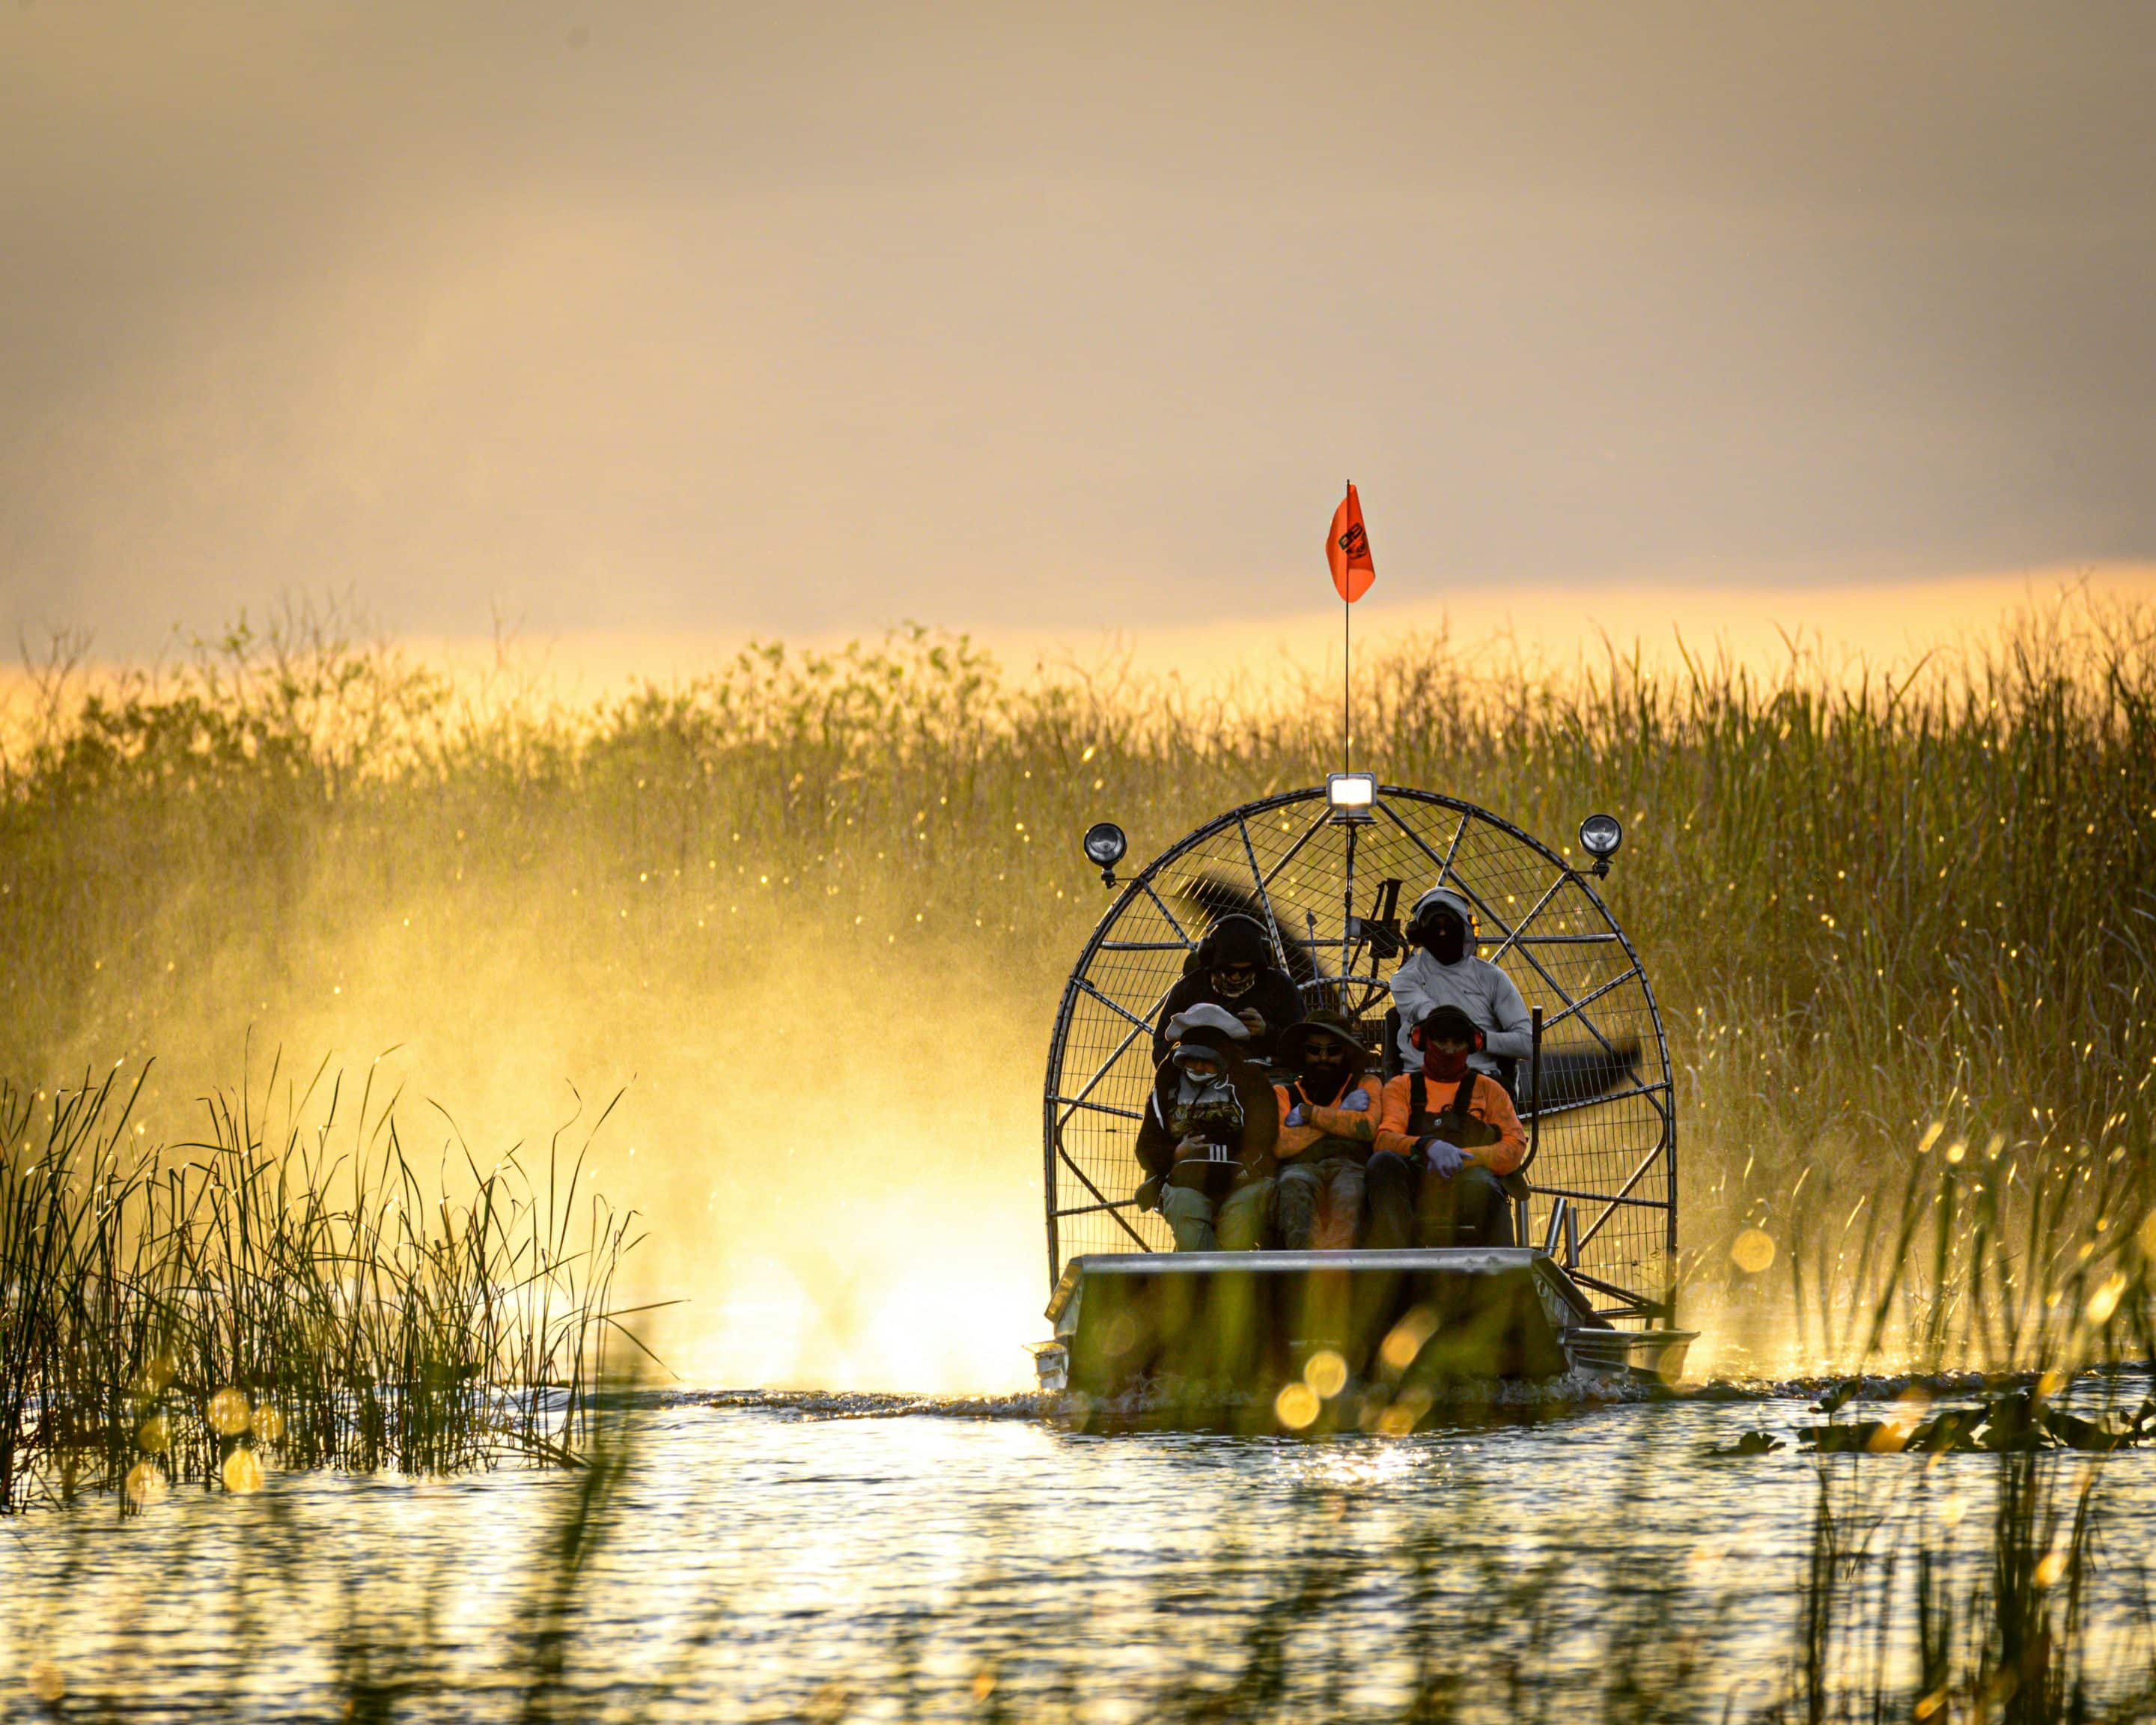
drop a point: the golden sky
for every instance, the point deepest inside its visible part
(657, 322)
(1553, 629)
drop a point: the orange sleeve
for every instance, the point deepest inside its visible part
(1392, 1131)
(1493, 1107)
(1362, 1125)
(1294, 1140)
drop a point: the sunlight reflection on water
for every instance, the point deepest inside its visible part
(822, 1553)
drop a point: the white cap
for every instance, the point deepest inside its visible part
(1206, 1016)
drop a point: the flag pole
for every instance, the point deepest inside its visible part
(1347, 677)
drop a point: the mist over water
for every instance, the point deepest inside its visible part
(807, 916)
(834, 1150)
(821, 1081)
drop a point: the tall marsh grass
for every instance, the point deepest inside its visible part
(290, 1289)
(1871, 900)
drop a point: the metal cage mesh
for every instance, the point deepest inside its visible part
(1607, 1144)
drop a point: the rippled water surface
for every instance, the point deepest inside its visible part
(756, 1564)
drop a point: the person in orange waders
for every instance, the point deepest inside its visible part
(1446, 1137)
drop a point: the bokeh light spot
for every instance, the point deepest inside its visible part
(242, 1471)
(2104, 1300)
(229, 1413)
(1752, 1250)
(1295, 1406)
(1326, 1373)
(1405, 1339)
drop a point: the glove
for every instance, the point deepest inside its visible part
(1148, 1193)
(1356, 1102)
(1445, 1159)
(1296, 1116)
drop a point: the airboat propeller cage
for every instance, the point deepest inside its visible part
(1324, 889)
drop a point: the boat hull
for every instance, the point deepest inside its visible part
(1251, 1322)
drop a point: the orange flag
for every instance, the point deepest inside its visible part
(1348, 549)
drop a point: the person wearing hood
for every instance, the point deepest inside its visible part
(1328, 1121)
(1445, 971)
(1233, 969)
(1207, 1138)
(1446, 1137)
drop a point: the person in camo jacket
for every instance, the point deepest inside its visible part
(1206, 1142)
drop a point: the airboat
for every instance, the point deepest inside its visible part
(1591, 1287)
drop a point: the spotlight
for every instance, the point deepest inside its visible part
(1599, 836)
(1105, 845)
(1351, 794)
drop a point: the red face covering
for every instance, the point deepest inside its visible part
(1446, 1068)
(1450, 1068)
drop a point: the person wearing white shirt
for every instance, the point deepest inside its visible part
(1445, 971)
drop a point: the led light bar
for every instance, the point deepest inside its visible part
(1351, 795)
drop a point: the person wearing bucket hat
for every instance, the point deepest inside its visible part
(1446, 1137)
(1443, 970)
(1328, 1120)
(1207, 1138)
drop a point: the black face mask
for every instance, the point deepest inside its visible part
(1448, 942)
(1325, 1073)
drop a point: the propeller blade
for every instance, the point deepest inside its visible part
(1214, 896)
(1581, 1071)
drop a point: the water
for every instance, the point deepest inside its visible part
(760, 1564)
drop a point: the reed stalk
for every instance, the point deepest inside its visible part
(290, 1288)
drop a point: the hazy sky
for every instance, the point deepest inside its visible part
(648, 316)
